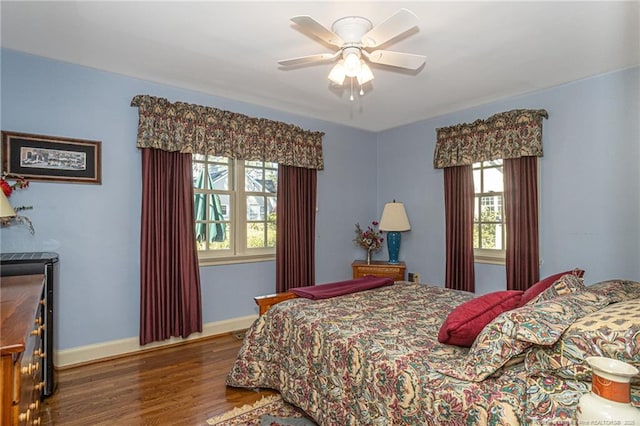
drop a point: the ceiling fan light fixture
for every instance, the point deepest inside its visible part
(338, 73)
(365, 75)
(354, 36)
(352, 64)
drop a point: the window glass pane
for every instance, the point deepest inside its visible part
(499, 236)
(212, 236)
(271, 232)
(253, 180)
(225, 206)
(476, 235)
(271, 209)
(491, 208)
(476, 210)
(499, 208)
(492, 181)
(218, 177)
(271, 180)
(205, 230)
(215, 208)
(476, 181)
(201, 235)
(200, 206)
(219, 236)
(197, 169)
(255, 207)
(255, 235)
(488, 236)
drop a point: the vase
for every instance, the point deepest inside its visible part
(368, 257)
(610, 396)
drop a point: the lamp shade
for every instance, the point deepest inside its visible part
(352, 64)
(394, 218)
(365, 75)
(338, 73)
(5, 208)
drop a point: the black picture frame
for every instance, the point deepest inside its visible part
(51, 158)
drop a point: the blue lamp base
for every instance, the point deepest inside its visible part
(393, 245)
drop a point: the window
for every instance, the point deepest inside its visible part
(488, 217)
(235, 209)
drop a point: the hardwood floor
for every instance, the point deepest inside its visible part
(179, 385)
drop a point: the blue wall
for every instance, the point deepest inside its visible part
(589, 181)
(590, 191)
(96, 228)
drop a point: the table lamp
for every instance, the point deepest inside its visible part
(394, 220)
(5, 208)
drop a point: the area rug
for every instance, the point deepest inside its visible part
(269, 411)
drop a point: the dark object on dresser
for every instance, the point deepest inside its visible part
(46, 263)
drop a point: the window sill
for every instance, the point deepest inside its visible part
(213, 261)
(490, 258)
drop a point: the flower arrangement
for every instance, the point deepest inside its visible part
(7, 189)
(370, 239)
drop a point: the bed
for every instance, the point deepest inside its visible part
(373, 357)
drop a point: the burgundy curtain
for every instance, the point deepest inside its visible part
(458, 201)
(296, 222)
(521, 218)
(170, 301)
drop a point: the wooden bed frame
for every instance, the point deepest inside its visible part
(267, 301)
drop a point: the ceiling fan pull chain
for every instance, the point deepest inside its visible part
(351, 97)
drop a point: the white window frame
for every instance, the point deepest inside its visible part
(238, 252)
(483, 255)
(498, 257)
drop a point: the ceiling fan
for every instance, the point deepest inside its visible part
(355, 37)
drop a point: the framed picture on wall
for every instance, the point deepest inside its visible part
(51, 158)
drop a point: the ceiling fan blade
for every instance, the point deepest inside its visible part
(399, 23)
(303, 60)
(312, 26)
(396, 59)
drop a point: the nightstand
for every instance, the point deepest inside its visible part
(379, 268)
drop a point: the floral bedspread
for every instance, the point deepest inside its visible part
(362, 359)
(372, 358)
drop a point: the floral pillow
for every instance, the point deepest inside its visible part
(617, 290)
(545, 283)
(512, 332)
(566, 284)
(613, 332)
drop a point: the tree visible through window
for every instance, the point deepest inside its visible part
(235, 208)
(488, 218)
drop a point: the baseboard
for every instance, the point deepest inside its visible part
(115, 348)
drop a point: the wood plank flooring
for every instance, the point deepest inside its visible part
(178, 385)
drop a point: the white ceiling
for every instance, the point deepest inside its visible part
(476, 51)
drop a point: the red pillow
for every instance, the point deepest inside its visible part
(545, 283)
(465, 322)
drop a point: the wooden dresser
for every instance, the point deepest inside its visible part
(21, 348)
(379, 268)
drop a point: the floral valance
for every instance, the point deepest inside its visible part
(511, 134)
(200, 129)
